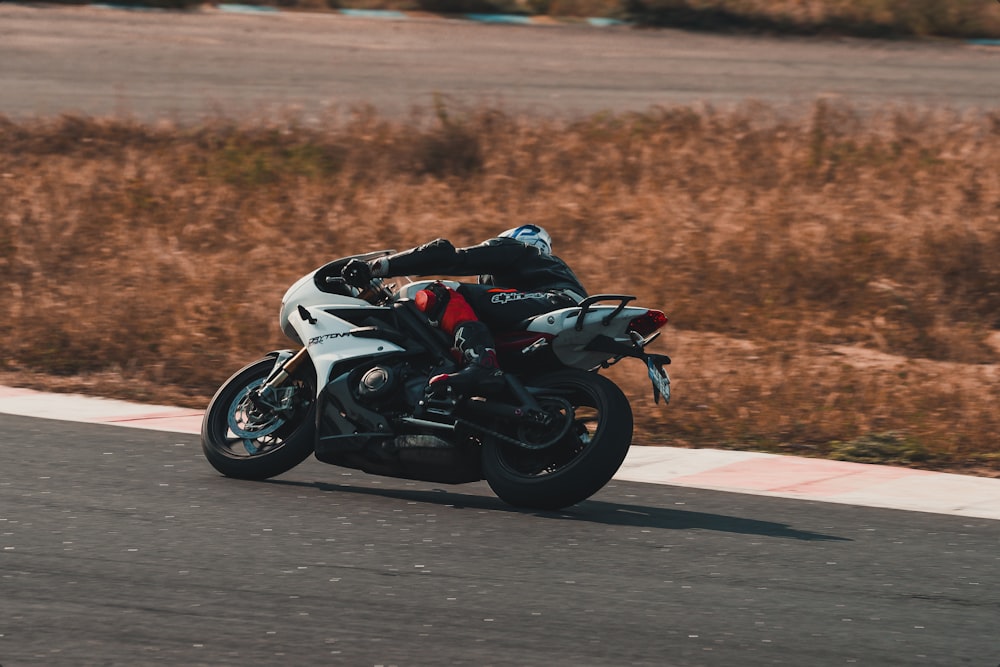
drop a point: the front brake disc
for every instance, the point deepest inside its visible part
(247, 421)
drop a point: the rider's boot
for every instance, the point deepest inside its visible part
(482, 375)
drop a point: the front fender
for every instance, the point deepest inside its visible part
(280, 357)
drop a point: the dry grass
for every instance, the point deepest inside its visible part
(956, 18)
(833, 278)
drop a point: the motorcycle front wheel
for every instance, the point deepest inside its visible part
(245, 437)
(593, 426)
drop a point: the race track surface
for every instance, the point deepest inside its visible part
(186, 65)
(123, 547)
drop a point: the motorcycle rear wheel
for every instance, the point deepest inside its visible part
(246, 443)
(583, 460)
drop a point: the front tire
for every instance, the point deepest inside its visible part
(245, 442)
(581, 462)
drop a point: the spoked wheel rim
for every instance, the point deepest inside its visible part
(249, 427)
(580, 428)
(537, 436)
(246, 431)
(581, 462)
(250, 433)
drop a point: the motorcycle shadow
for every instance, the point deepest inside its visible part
(591, 511)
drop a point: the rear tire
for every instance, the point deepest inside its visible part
(583, 460)
(268, 443)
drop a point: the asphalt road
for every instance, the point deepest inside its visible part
(123, 547)
(185, 65)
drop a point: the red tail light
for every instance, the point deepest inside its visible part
(648, 323)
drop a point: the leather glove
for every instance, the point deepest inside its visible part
(357, 273)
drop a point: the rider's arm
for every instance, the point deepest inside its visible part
(440, 257)
(420, 261)
(495, 255)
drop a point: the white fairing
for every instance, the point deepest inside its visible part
(568, 344)
(305, 293)
(328, 338)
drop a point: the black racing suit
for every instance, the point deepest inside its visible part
(516, 281)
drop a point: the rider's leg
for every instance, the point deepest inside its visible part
(473, 339)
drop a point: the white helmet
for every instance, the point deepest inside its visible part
(532, 235)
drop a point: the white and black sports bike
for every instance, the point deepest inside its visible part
(354, 394)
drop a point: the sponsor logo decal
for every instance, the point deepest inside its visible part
(316, 340)
(507, 297)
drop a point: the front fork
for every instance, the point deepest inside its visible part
(285, 364)
(272, 395)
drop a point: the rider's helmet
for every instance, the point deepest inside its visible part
(532, 235)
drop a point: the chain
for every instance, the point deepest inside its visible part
(482, 429)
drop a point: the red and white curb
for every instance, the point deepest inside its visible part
(723, 470)
(92, 410)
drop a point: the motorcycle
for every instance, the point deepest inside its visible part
(354, 394)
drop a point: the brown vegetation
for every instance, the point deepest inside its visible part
(832, 278)
(956, 18)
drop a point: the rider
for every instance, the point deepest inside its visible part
(519, 277)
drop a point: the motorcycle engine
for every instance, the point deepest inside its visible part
(377, 382)
(397, 387)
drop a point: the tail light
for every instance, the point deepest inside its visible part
(648, 323)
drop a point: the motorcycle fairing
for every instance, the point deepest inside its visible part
(331, 339)
(570, 344)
